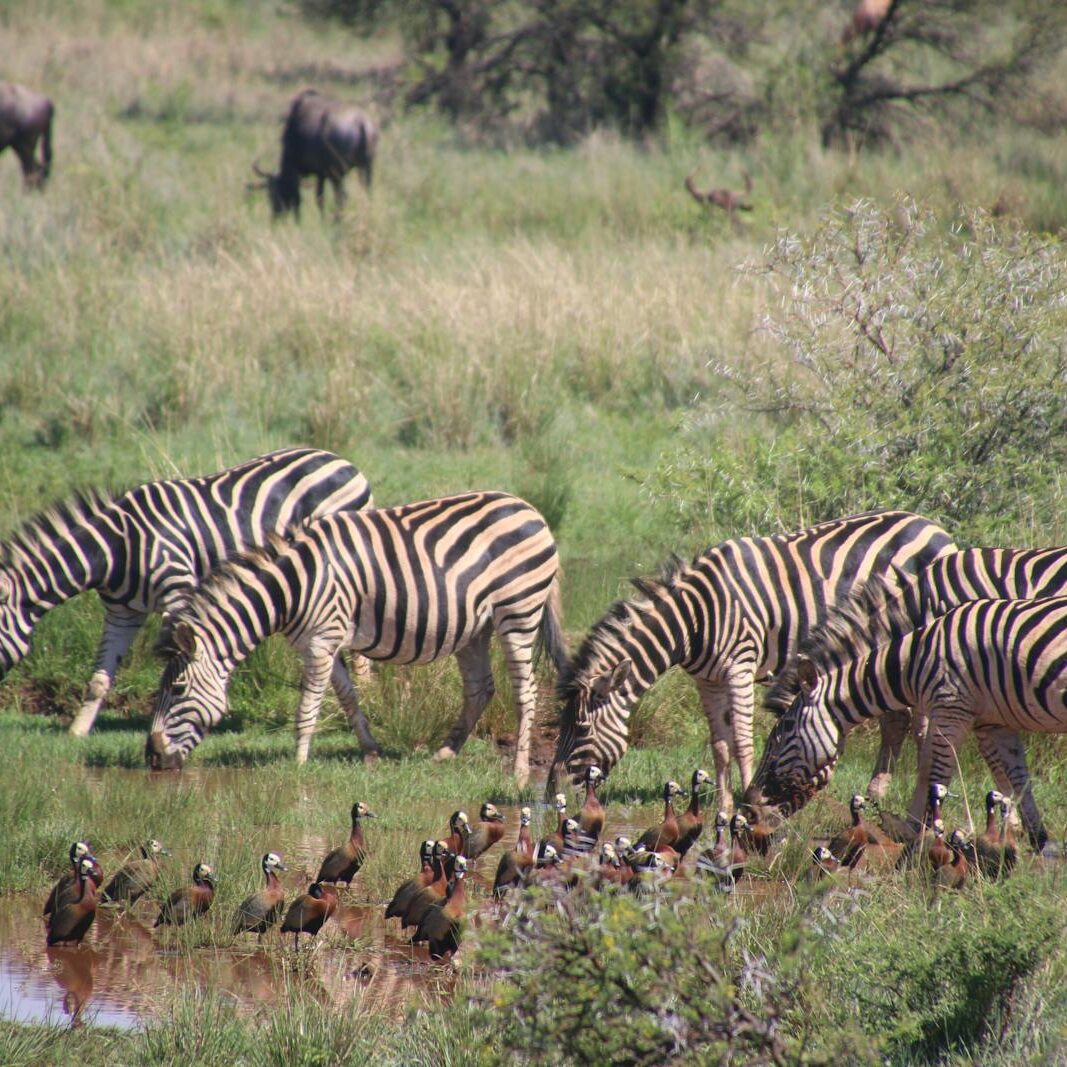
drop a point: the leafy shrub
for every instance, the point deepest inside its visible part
(926, 370)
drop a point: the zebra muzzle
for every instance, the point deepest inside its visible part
(157, 755)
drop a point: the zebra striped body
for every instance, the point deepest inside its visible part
(951, 580)
(730, 618)
(147, 549)
(410, 584)
(998, 667)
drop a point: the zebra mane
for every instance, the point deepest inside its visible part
(66, 515)
(871, 616)
(607, 634)
(223, 580)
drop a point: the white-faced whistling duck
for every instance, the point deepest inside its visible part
(987, 843)
(823, 862)
(189, 901)
(424, 899)
(342, 864)
(851, 842)
(610, 869)
(667, 831)
(592, 814)
(402, 897)
(259, 912)
(555, 839)
(309, 911)
(133, 880)
(459, 829)
(442, 926)
(1008, 844)
(939, 854)
(653, 870)
(68, 888)
(691, 821)
(546, 865)
(70, 922)
(516, 863)
(572, 838)
(487, 833)
(953, 875)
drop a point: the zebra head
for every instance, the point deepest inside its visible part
(18, 615)
(594, 722)
(801, 751)
(192, 699)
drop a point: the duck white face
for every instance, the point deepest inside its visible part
(86, 866)
(490, 813)
(570, 826)
(700, 776)
(823, 855)
(738, 822)
(673, 789)
(622, 843)
(273, 862)
(461, 867)
(525, 817)
(561, 802)
(722, 820)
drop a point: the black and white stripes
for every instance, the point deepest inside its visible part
(408, 584)
(730, 618)
(997, 667)
(145, 550)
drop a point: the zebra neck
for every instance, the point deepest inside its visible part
(654, 643)
(871, 685)
(61, 560)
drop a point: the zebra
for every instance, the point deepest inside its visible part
(953, 579)
(409, 584)
(147, 549)
(729, 618)
(995, 666)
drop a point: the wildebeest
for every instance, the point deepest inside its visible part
(25, 118)
(325, 138)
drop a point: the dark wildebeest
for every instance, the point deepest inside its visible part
(324, 138)
(25, 118)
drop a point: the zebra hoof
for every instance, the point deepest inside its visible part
(80, 729)
(371, 755)
(879, 786)
(443, 753)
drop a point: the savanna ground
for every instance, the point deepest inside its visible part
(570, 326)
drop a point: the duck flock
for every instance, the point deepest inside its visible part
(433, 903)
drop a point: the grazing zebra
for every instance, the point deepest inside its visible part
(952, 579)
(730, 618)
(995, 666)
(409, 584)
(145, 550)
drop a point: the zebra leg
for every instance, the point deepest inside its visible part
(121, 626)
(716, 702)
(349, 698)
(742, 689)
(1004, 751)
(947, 727)
(477, 673)
(518, 650)
(893, 728)
(318, 669)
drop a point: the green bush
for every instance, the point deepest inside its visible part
(927, 371)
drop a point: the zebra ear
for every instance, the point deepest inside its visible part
(185, 640)
(807, 676)
(606, 684)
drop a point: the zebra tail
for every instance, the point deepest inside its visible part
(550, 637)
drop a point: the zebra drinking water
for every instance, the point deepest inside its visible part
(997, 667)
(409, 584)
(145, 550)
(730, 618)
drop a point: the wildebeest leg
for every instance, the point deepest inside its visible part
(338, 195)
(25, 148)
(121, 626)
(477, 673)
(320, 190)
(1005, 753)
(349, 698)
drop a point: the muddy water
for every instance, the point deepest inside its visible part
(124, 974)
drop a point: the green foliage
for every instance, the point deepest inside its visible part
(598, 978)
(928, 367)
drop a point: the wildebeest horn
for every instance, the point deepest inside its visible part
(260, 171)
